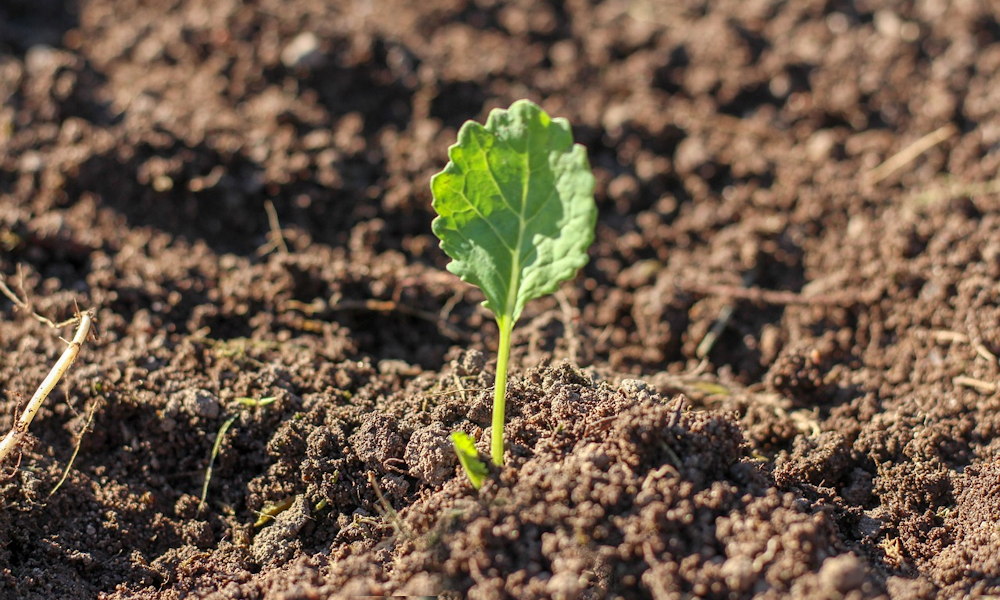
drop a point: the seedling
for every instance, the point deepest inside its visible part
(221, 436)
(468, 457)
(272, 510)
(516, 214)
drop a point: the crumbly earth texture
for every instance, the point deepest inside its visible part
(776, 378)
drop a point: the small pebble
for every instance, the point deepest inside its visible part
(303, 52)
(842, 573)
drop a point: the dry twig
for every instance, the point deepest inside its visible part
(986, 387)
(20, 429)
(762, 296)
(277, 238)
(23, 305)
(907, 155)
(76, 449)
(722, 321)
(378, 306)
(388, 511)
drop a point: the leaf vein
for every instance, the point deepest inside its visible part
(496, 182)
(480, 214)
(491, 266)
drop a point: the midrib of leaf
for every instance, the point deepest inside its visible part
(515, 281)
(514, 278)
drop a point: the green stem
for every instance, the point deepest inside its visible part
(506, 325)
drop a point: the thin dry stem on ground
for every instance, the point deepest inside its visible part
(17, 433)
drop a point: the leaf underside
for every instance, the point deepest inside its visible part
(515, 206)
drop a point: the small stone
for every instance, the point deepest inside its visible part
(615, 118)
(820, 145)
(565, 585)
(40, 58)
(738, 573)
(163, 183)
(691, 154)
(636, 388)
(395, 366)
(624, 188)
(842, 573)
(32, 162)
(303, 52)
(199, 403)
(563, 52)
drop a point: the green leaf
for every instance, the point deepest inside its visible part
(516, 206)
(468, 456)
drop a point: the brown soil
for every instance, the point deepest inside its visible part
(840, 439)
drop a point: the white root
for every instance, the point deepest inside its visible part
(20, 429)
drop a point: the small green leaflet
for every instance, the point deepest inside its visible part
(515, 204)
(465, 448)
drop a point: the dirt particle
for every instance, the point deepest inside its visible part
(730, 140)
(636, 388)
(842, 573)
(197, 402)
(303, 52)
(274, 543)
(739, 573)
(378, 440)
(471, 363)
(430, 456)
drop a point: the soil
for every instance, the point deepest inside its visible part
(775, 378)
